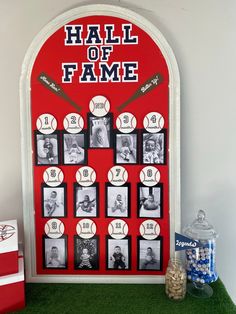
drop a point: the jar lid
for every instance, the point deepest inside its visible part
(200, 229)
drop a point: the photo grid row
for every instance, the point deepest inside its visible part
(117, 201)
(138, 147)
(118, 253)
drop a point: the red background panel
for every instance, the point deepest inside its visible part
(150, 61)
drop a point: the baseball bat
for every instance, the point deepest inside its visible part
(145, 88)
(50, 84)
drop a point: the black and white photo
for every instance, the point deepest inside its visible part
(150, 254)
(47, 150)
(54, 201)
(153, 148)
(74, 149)
(117, 200)
(100, 129)
(126, 148)
(150, 201)
(55, 252)
(86, 253)
(86, 200)
(118, 253)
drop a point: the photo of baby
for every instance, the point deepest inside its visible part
(126, 148)
(74, 149)
(153, 148)
(47, 149)
(118, 254)
(117, 200)
(99, 131)
(55, 252)
(150, 201)
(86, 253)
(86, 204)
(149, 254)
(54, 201)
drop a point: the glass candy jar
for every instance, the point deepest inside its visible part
(175, 280)
(200, 261)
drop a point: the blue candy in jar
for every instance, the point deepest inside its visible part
(200, 261)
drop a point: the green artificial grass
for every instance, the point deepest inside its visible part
(119, 298)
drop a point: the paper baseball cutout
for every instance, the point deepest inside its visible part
(86, 228)
(54, 228)
(126, 122)
(149, 176)
(99, 106)
(153, 122)
(117, 175)
(46, 123)
(118, 229)
(149, 229)
(53, 176)
(86, 176)
(73, 123)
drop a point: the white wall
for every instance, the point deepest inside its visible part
(202, 35)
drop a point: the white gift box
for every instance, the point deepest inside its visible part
(8, 247)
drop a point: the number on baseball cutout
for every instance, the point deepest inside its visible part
(99, 106)
(54, 228)
(46, 123)
(53, 176)
(118, 229)
(149, 176)
(86, 228)
(86, 176)
(153, 122)
(117, 175)
(126, 122)
(149, 229)
(73, 123)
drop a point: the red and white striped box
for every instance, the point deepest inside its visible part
(12, 290)
(8, 247)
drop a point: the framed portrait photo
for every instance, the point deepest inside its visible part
(74, 148)
(126, 148)
(118, 200)
(154, 148)
(118, 253)
(150, 201)
(86, 200)
(86, 253)
(54, 201)
(100, 129)
(150, 254)
(47, 149)
(55, 252)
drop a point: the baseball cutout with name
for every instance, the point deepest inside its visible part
(149, 229)
(86, 228)
(85, 176)
(149, 176)
(118, 229)
(46, 123)
(153, 122)
(54, 228)
(117, 175)
(126, 122)
(73, 123)
(99, 106)
(53, 176)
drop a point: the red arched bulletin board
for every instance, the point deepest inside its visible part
(100, 148)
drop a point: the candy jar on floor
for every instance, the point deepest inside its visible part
(200, 261)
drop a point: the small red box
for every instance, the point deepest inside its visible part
(8, 247)
(12, 290)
